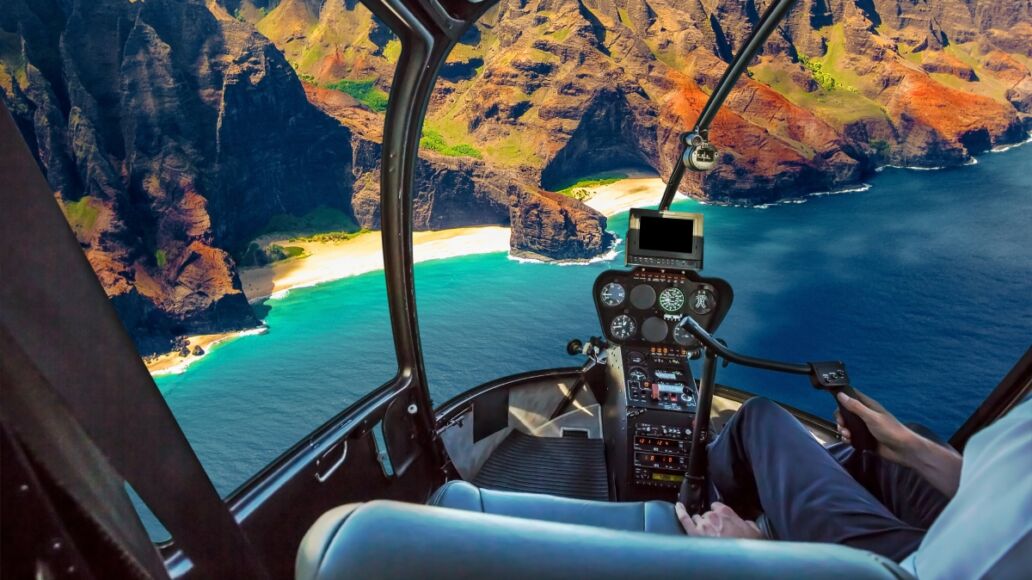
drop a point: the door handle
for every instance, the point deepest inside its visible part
(324, 473)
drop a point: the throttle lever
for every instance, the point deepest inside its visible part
(831, 376)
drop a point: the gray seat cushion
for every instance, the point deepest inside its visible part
(643, 516)
(386, 539)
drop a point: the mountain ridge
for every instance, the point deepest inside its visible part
(173, 133)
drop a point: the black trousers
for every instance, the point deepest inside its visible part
(765, 461)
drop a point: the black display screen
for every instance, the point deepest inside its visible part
(655, 458)
(656, 442)
(665, 235)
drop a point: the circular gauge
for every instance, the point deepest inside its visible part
(643, 296)
(654, 329)
(702, 301)
(671, 299)
(637, 375)
(683, 338)
(622, 327)
(612, 294)
(635, 358)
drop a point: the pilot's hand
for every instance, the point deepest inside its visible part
(895, 440)
(938, 464)
(720, 522)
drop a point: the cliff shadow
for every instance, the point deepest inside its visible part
(609, 136)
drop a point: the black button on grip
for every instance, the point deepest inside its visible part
(831, 376)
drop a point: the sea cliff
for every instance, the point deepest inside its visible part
(175, 132)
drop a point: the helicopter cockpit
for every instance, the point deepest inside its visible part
(553, 473)
(611, 447)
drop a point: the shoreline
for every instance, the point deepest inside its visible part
(330, 261)
(172, 363)
(325, 262)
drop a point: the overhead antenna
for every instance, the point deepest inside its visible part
(697, 153)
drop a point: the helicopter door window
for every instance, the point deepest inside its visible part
(248, 265)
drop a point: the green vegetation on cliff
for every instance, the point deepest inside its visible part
(433, 141)
(82, 216)
(594, 180)
(823, 77)
(364, 92)
(838, 107)
(323, 219)
(339, 236)
(277, 252)
(255, 255)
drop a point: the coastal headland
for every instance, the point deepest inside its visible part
(326, 261)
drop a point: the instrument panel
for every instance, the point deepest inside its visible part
(642, 307)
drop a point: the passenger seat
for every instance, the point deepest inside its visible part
(387, 540)
(655, 517)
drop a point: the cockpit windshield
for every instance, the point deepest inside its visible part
(867, 198)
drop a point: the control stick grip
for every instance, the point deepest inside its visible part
(859, 435)
(831, 376)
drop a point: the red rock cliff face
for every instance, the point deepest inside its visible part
(462, 191)
(555, 89)
(172, 130)
(170, 138)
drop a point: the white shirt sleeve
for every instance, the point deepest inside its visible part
(986, 529)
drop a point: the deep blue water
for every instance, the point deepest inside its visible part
(921, 284)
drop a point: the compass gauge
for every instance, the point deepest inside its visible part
(671, 299)
(622, 327)
(612, 294)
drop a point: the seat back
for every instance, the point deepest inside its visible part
(385, 539)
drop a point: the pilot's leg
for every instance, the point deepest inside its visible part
(901, 489)
(765, 460)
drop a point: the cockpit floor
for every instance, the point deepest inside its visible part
(566, 466)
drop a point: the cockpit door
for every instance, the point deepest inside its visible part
(1014, 388)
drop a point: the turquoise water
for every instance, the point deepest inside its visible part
(921, 285)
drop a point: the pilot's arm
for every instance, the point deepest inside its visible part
(938, 464)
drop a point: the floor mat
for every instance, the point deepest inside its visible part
(567, 466)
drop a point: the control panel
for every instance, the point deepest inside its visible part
(642, 307)
(660, 454)
(659, 378)
(651, 395)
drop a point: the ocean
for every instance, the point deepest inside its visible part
(922, 284)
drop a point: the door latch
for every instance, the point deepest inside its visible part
(331, 460)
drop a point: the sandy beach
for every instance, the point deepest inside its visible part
(171, 363)
(638, 190)
(328, 261)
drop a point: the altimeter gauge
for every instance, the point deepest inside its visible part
(671, 299)
(612, 294)
(622, 327)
